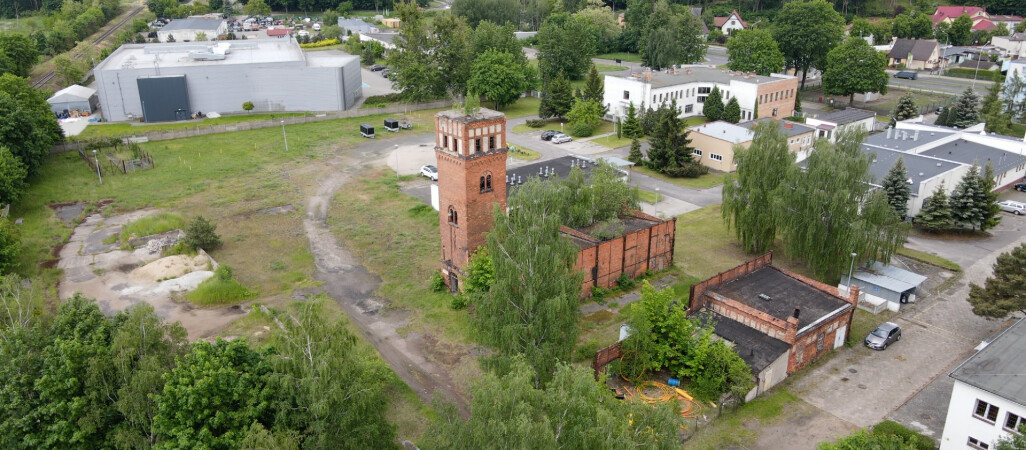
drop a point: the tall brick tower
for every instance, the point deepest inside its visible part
(471, 152)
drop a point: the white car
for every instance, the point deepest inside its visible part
(1014, 207)
(560, 138)
(429, 171)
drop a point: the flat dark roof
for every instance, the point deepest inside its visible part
(847, 115)
(630, 224)
(1000, 368)
(884, 159)
(558, 168)
(753, 346)
(786, 294)
(967, 152)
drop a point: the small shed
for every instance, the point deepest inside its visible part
(883, 281)
(73, 98)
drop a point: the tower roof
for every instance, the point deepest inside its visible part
(459, 116)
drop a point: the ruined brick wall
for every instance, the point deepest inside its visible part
(605, 356)
(633, 253)
(698, 300)
(816, 342)
(784, 330)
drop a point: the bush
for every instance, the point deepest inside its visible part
(961, 72)
(201, 234)
(460, 301)
(10, 246)
(911, 437)
(377, 101)
(690, 170)
(220, 289)
(586, 351)
(625, 282)
(536, 123)
(437, 282)
(581, 130)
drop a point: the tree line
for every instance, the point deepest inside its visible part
(66, 23)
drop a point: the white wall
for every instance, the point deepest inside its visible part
(642, 92)
(961, 424)
(772, 375)
(927, 186)
(190, 35)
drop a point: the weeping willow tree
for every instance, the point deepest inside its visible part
(748, 193)
(827, 211)
(532, 306)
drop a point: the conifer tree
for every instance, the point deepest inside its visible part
(993, 111)
(969, 199)
(635, 155)
(632, 124)
(593, 89)
(935, 214)
(896, 186)
(1002, 294)
(991, 211)
(944, 118)
(557, 98)
(906, 107)
(732, 112)
(713, 106)
(966, 110)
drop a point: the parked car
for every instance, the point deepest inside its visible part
(429, 171)
(376, 67)
(1021, 187)
(939, 110)
(884, 335)
(547, 134)
(1014, 207)
(906, 74)
(560, 138)
(386, 72)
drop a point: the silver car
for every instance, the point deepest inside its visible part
(1014, 207)
(883, 335)
(560, 138)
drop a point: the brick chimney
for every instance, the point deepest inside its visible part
(791, 333)
(853, 295)
(788, 125)
(647, 73)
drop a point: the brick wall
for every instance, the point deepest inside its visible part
(818, 341)
(697, 290)
(605, 356)
(779, 95)
(634, 253)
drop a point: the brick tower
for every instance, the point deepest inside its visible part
(471, 152)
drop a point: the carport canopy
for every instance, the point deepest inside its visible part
(889, 277)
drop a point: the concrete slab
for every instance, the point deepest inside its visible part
(74, 127)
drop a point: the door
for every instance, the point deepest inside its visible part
(839, 336)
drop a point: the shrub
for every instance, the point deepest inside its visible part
(911, 437)
(460, 301)
(201, 234)
(581, 130)
(220, 289)
(151, 224)
(689, 170)
(536, 123)
(625, 282)
(586, 351)
(10, 246)
(607, 229)
(437, 282)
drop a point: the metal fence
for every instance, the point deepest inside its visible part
(257, 124)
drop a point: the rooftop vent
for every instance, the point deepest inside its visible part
(765, 297)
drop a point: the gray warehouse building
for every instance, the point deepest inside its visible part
(163, 82)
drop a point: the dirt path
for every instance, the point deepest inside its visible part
(353, 287)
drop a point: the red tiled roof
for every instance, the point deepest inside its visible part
(277, 31)
(955, 11)
(984, 25)
(719, 21)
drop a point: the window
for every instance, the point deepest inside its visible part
(715, 157)
(819, 342)
(445, 141)
(704, 90)
(626, 95)
(488, 182)
(477, 145)
(701, 99)
(976, 443)
(985, 411)
(698, 152)
(491, 142)
(689, 108)
(1013, 422)
(454, 218)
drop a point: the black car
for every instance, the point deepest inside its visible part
(548, 134)
(1021, 187)
(376, 67)
(386, 72)
(908, 75)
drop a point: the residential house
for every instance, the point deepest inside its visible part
(797, 319)
(799, 136)
(988, 399)
(730, 23)
(953, 55)
(1008, 20)
(356, 26)
(714, 144)
(915, 54)
(828, 125)
(981, 19)
(936, 156)
(689, 86)
(1013, 46)
(186, 30)
(883, 286)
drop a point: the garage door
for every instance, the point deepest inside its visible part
(164, 98)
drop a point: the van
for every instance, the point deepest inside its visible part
(908, 75)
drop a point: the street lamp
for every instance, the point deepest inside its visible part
(95, 158)
(850, 269)
(284, 136)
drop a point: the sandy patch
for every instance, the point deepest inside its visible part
(170, 267)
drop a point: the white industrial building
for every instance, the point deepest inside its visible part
(185, 30)
(691, 85)
(162, 82)
(988, 400)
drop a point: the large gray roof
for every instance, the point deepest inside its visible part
(914, 164)
(698, 74)
(921, 49)
(889, 277)
(847, 115)
(967, 152)
(1000, 368)
(795, 128)
(905, 140)
(786, 293)
(199, 23)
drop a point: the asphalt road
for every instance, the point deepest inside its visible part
(939, 84)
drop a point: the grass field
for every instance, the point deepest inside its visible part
(609, 67)
(524, 154)
(106, 129)
(928, 258)
(526, 106)
(703, 182)
(612, 141)
(629, 57)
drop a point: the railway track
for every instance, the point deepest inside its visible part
(49, 76)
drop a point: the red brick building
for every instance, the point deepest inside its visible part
(472, 179)
(779, 321)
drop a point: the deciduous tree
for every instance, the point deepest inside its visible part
(806, 32)
(1002, 293)
(754, 51)
(20, 53)
(27, 126)
(675, 38)
(854, 67)
(12, 178)
(896, 186)
(451, 51)
(961, 31)
(257, 8)
(564, 46)
(761, 168)
(413, 71)
(496, 76)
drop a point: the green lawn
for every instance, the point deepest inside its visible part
(738, 429)
(526, 106)
(524, 153)
(648, 197)
(696, 120)
(609, 67)
(96, 130)
(612, 141)
(703, 182)
(629, 57)
(928, 258)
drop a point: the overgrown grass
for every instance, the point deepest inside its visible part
(215, 292)
(609, 67)
(629, 57)
(863, 322)
(736, 429)
(929, 259)
(97, 130)
(523, 153)
(706, 181)
(152, 224)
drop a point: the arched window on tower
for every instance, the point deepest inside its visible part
(454, 217)
(486, 182)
